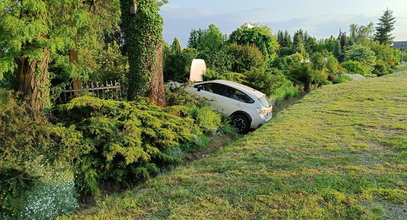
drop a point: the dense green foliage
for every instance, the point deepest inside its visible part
(305, 61)
(356, 67)
(246, 57)
(260, 36)
(33, 163)
(363, 55)
(127, 140)
(177, 62)
(35, 33)
(304, 74)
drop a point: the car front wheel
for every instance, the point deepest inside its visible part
(241, 123)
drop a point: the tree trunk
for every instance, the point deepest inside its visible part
(74, 58)
(34, 81)
(156, 91)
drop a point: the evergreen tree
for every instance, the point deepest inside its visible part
(284, 39)
(385, 27)
(176, 46)
(32, 35)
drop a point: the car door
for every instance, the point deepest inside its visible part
(229, 104)
(213, 92)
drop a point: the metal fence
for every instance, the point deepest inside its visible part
(108, 90)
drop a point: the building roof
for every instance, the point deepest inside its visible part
(400, 45)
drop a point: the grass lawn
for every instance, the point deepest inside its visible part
(341, 152)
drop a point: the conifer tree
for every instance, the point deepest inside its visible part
(385, 27)
(176, 46)
(31, 33)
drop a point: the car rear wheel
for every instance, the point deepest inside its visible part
(241, 123)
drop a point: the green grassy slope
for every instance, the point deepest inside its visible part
(339, 153)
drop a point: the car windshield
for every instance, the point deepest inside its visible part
(264, 102)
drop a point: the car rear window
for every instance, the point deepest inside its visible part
(265, 102)
(238, 95)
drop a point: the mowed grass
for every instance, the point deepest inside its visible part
(341, 152)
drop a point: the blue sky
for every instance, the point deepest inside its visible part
(321, 18)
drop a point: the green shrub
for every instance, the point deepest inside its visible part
(356, 67)
(265, 81)
(246, 57)
(303, 74)
(31, 149)
(286, 90)
(177, 65)
(284, 63)
(205, 117)
(180, 97)
(13, 184)
(199, 142)
(235, 77)
(341, 79)
(385, 53)
(45, 196)
(382, 68)
(361, 54)
(127, 139)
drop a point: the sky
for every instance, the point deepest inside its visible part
(320, 18)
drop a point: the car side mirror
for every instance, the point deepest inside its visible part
(199, 88)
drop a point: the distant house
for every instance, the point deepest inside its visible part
(402, 45)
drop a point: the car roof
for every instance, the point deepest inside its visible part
(238, 86)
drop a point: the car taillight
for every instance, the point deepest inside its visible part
(266, 112)
(263, 112)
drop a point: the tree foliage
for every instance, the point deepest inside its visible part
(361, 34)
(260, 36)
(35, 33)
(384, 28)
(361, 54)
(246, 57)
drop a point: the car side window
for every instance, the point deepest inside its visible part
(238, 95)
(218, 89)
(212, 87)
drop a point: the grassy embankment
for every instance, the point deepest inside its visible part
(341, 152)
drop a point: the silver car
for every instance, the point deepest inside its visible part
(247, 107)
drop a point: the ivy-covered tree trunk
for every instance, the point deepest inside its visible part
(33, 81)
(142, 30)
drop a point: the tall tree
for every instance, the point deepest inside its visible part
(210, 39)
(142, 26)
(176, 46)
(385, 27)
(361, 34)
(210, 44)
(31, 32)
(260, 36)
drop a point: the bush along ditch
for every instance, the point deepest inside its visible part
(78, 149)
(36, 181)
(129, 142)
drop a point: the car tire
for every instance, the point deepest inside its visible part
(241, 123)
